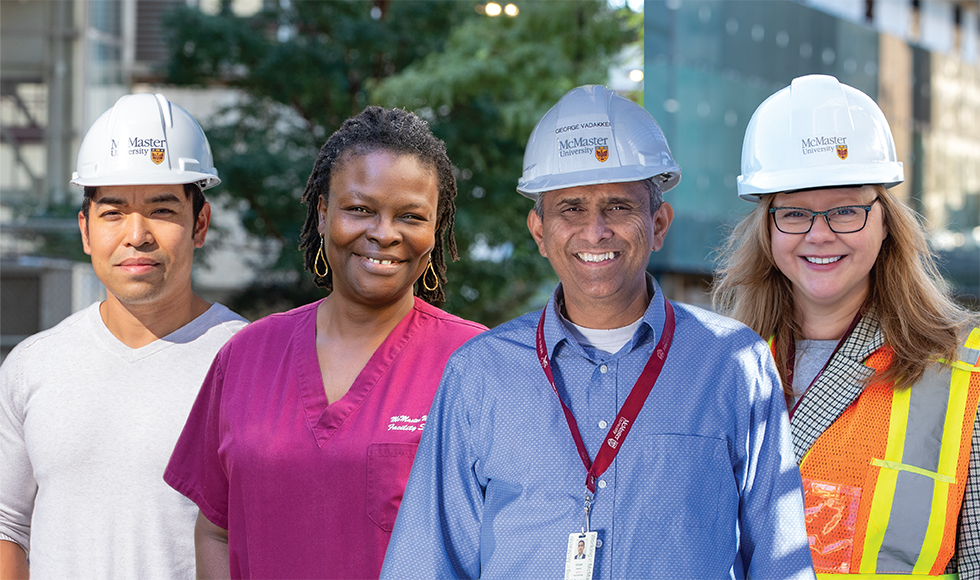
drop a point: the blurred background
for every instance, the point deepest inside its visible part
(269, 80)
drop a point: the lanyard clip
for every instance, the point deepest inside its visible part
(585, 517)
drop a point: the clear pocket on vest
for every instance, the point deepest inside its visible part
(831, 517)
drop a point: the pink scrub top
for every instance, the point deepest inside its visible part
(307, 489)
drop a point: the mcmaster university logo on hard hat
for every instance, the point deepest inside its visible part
(141, 146)
(825, 144)
(602, 153)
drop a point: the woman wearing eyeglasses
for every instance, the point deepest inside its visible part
(879, 365)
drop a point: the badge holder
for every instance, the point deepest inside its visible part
(580, 553)
(831, 511)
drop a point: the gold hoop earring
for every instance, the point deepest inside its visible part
(428, 269)
(320, 257)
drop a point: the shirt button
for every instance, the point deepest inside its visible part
(602, 483)
(603, 369)
(598, 543)
(603, 424)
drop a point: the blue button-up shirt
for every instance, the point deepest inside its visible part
(704, 486)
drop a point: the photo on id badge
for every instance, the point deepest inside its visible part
(580, 556)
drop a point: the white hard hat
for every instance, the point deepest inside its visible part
(817, 132)
(594, 135)
(145, 139)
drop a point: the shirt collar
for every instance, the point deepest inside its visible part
(652, 324)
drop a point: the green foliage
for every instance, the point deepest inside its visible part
(264, 154)
(481, 82)
(311, 55)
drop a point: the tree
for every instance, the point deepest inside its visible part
(481, 82)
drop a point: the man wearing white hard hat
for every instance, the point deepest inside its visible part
(652, 431)
(90, 409)
(879, 364)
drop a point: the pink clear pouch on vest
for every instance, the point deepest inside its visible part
(831, 517)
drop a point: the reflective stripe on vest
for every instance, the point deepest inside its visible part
(904, 504)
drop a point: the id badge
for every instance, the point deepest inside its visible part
(580, 556)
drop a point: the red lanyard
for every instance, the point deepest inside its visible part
(630, 409)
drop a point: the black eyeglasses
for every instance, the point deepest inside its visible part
(841, 220)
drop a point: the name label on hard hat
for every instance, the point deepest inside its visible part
(577, 126)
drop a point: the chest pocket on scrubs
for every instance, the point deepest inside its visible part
(694, 480)
(388, 466)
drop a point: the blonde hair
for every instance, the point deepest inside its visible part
(919, 319)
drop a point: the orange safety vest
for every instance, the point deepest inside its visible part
(884, 483)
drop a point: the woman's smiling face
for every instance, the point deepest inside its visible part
(829, 270)
(379, 224)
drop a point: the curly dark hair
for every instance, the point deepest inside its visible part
(400, 132)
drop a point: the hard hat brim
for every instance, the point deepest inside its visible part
(534, 188)
(204, 180)
(752, 187)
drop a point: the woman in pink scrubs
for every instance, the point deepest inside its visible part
(299, 446)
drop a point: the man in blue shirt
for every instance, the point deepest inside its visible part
(655, 433)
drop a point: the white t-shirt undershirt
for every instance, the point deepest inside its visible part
(607, 340)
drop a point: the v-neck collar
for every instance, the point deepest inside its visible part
(325, 419)
(133, 355)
